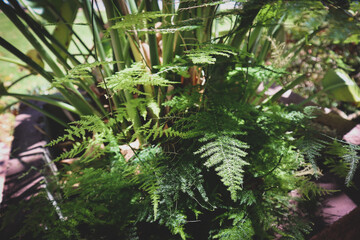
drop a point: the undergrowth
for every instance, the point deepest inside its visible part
(215, 166)
(216, 159)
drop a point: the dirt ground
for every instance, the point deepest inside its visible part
(7, 121)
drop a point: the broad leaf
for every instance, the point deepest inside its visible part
(339, 85)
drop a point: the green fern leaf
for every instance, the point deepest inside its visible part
(241, 228)
(352, 159)
(309, 189)
(311, 149)
(138, 21)
(226, 153)
(206, 54)
(81, 71)
(129, 78)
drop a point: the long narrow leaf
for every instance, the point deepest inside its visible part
(44, 99)
(56, 119)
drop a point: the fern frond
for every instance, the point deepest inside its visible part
(170, 28)
(80, 128)
(129, 78)
(311, 148)
(76, 149)
(188, 99)
(81, 72)
(92, 139)
(247, 197)
(226, 153)
(201, 5)
(310, 189)
(338, 167)
(158, 132)
(241, 229)
(351, 157)
(218, 129)
(154, 131)
(136, 21)
(206, 54)
(146, 171)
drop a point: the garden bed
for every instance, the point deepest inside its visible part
(29, 158)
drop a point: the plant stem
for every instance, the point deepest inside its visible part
(71, 94)
(24, 30)
(96, 34)
(10, 60)
(56, 119)
(290, 85)
(115, 41)
(45, 99)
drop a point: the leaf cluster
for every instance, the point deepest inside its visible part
(216, 162)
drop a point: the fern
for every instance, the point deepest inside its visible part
(92, 137)
(165, 181)
(217, 158)
(158, 131)
(226, 153)
(138, 21)
(311, 148)
(129, 78)
(188, 100)
(346, 166)
(217, 129)
(241, 228)
(146, 171)
(351, 157)
(337, 167)
(141, 23)
(206, 54)
(247, 197)
(309, 189)
(79, 74)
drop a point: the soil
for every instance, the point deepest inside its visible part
(6, 136)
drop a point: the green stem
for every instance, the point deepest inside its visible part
(58, 15)
(250, 11)
(56, 119)
(40, 32)
(34, 42)
(96, 34)
(18, 80)
(10, 60)
(115, 38)
(290, 85)
(167, 39)
(70, 93)
(115, 41)
(133, 7)
(59, 104)
(266, 46)
(8, 46)
(154, 55)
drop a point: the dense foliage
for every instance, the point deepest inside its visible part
(174, 137)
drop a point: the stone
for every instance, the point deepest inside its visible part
(353, 136)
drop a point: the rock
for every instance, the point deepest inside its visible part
(347, 228)
(353, 136)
